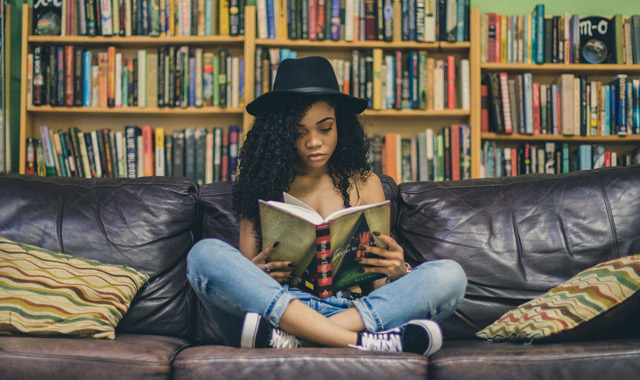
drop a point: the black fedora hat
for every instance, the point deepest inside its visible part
(305, 76)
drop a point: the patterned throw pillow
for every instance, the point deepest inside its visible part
(593, 299)
(44, 293)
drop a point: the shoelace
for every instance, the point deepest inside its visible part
(388, 342)
(281, 339)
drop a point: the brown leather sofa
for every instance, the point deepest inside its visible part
(515, 237)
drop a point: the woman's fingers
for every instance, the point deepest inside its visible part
(265, 253)
(277, 265)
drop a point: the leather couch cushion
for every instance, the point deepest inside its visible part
(145, 223)
(518, 237)
(220, 222)
(301, 363)
(129, 356)
(581, 360)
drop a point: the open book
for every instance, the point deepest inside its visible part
(323, 249)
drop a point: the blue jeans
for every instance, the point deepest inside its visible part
(229, 285)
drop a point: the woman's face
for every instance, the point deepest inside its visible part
(317, 136)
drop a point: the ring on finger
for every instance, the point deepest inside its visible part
(266, 268)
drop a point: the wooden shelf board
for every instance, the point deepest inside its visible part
(135, 40)
(561, 138)
(445, 46)
(561, 68)
(421, 113)
(135, 110)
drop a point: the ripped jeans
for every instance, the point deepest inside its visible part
(229, 285)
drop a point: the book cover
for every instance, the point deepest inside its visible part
(47, 18)
(331, 243)
(597, 40)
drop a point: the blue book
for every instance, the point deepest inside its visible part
(607, 110)
(86, 99)
(538, 21)
(490, 163)
(565, 157)
(241, 78)
(613, 115)
(460, 11)
(584, 157)
(335, 20)
(499, 159)
(271, 31)
(636, 107)
(208, 15)
(621, 106)
(192, 81)
(598, 156)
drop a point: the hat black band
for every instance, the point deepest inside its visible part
(312, 90)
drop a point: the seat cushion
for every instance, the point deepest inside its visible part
(145, 223)
(301, 363)
(46, 293)
(127, 357)
(581, 360)
(518, 237)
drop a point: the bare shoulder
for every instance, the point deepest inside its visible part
(370, 188)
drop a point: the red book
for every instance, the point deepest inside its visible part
(455, 152)
(607, 158)
(514, 162)
(451, 82)
(535, 87)
(398, 89)
(492, 37)
(484, 105)
(224, 175)
(111, 76)
(506, 104)
(69, 54)
(371, 31)
(321, 28)
(148, 151)
(313, 19)
(102, 78)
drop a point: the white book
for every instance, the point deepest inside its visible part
(576, 106)
(198, 77)
(120, 152)
(142, 78)
(140, 149)
(208, 178)
(106, 18)
(276, 24)
(484, 37)
(614, 159)
(95, 88)
(348, 20)
(118, 79)
(85, 157)
(429, 151)
(96, 153)
(438, 85)
(159, 152)
(430, 20)
(261, 13)
(235, 82)
(452, 12)
(390, 80)
(127, 22)
(465, 92)
(115, 11)
(565, 84)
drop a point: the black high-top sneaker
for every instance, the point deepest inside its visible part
(420, 336)
(258, 333)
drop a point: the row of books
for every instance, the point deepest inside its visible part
(203, 155)
(567, 38)
(550, 158)
(172, 76)
(430, 156)
(139, 17)
(362, 20)
(572, 106)
(398, 80)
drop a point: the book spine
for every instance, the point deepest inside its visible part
(69, 75)
(323, 258)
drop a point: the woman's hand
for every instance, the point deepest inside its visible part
(273, 268)
(390, 261)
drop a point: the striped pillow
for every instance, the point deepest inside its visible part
(45, 293)
(590, 301)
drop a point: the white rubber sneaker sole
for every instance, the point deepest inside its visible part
(435, 334)
(250, 330)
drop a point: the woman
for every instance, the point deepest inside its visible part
(306, 140)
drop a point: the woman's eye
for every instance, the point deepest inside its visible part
(326, 130)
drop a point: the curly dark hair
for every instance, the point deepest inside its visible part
(268, 157)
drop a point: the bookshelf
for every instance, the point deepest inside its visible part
(91, 118)
(406, 122)
(548, 74)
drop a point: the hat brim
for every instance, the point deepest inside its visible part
(265, 101)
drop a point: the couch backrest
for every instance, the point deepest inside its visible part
(146, 223)
(220, 222)
(518, 237)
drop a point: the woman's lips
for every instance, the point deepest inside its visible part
(316, 156)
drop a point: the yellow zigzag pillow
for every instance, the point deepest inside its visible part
(596, 295)
(45, 293)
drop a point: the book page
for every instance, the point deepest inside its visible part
(305, 213)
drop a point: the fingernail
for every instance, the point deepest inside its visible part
(276, 244)
(357, 260)
(291, 265)
(360, 270)
(376, 233)
(362, 247)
